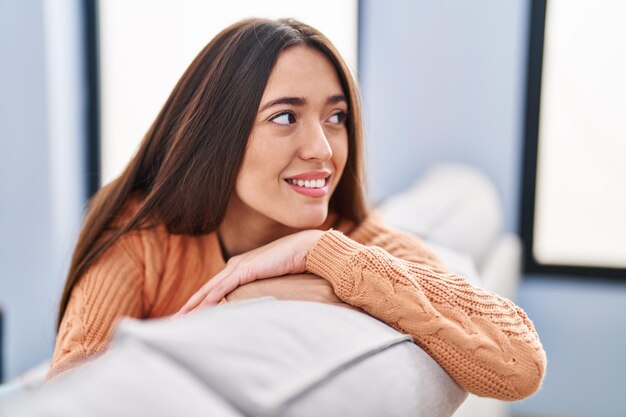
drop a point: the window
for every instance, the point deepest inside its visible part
(574, 194)
(139, 50)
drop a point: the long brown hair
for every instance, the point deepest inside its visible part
(187, 164)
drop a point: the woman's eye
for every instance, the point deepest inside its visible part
(285, 118)
(338, 118)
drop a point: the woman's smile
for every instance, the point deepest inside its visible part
(312, 184)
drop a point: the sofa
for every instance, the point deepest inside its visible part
(261, 357)
(318, 359)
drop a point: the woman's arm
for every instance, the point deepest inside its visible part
(303, 287)
(110, 289)
(485, 342)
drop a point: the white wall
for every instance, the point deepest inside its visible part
(40, 184)
(445, 79)
(582, 325)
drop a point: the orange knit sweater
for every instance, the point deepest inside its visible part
(485, 342)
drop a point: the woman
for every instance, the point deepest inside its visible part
(251, 174)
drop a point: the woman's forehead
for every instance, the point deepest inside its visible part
(301, 71)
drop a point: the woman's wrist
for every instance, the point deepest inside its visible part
(311, 237)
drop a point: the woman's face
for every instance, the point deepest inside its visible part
(298, 147)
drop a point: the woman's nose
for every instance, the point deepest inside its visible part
(315, 144)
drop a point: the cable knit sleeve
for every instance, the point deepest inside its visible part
(485, 342)
(110, 289)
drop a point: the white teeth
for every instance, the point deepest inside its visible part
(307, 183)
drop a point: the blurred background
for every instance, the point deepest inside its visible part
(531, 95)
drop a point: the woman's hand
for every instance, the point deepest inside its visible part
(284, 256)
(304, 287)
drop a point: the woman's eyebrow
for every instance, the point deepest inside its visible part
(293, 101)
(301, 101)
(337, 98)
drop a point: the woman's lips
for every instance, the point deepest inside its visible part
(314, 192)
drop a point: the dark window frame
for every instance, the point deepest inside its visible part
(529, 177)
(92, 114)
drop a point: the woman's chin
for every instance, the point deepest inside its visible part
(306, 221)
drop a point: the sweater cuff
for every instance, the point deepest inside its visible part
(330, 258)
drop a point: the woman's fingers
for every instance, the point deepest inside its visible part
(219, 291)
(215, 289)
(200, 295)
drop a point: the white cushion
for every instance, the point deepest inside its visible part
(452, 204)
(256, 358)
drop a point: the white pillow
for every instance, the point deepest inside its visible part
(456, 262)
(454, 205)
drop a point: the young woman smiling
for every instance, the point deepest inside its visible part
(249, 183)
